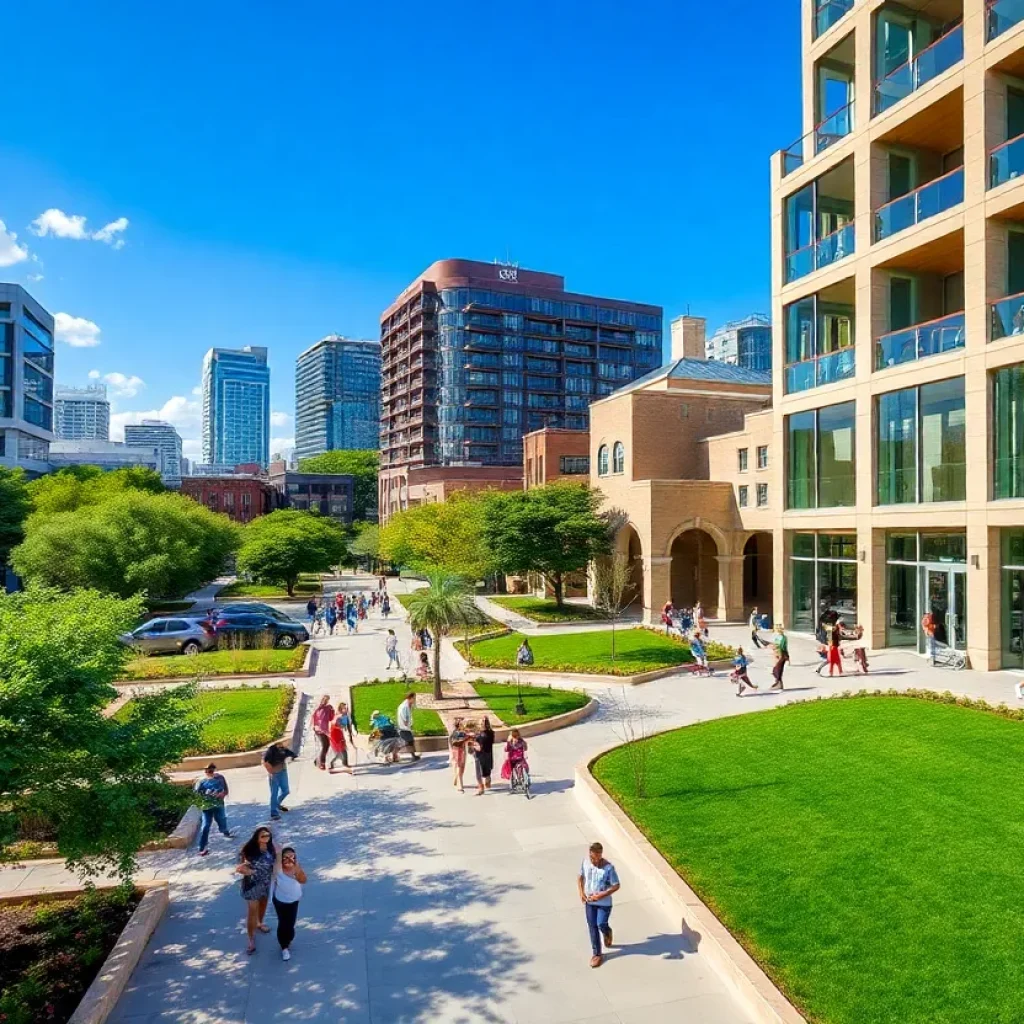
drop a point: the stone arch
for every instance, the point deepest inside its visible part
(694, 570)
(757, 572)
(627, 543)
(718, 535)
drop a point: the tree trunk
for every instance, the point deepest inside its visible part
(290, 584)
(613, 641)
(438, 693)
(556, 584)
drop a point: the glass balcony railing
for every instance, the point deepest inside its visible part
(826, 369)
(827, 13)
(793, 157)
(1007, 316)
(931, 62)
(821, 253)
(935, 197)
(1006, 162)
(920, 341)
(1003, 15)
(835, 127)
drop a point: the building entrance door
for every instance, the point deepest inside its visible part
(945, 596)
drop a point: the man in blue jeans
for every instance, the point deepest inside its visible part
(597, 881)
(274, 762)
(212, 788)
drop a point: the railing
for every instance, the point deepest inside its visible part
(820, 370)
(1006, 161)
(920, 341)
(935, 197)
(824, 134)
(1007, 316)
(931, 62)
(828, 12)
(821, 253)
(1003, 15)
(793, 157)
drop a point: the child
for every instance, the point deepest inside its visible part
(339, 746)
(457, 740)
(515, 751)
(699, 654)
(860, 654)
(823, 655)
(739, 672)
(423, 668)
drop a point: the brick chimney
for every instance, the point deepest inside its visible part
(688, 334)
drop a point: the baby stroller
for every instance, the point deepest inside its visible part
(385, 739)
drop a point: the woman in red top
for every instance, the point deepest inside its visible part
(322, 718)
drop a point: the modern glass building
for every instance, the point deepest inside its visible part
(82, 414)
(26, 380)
(236, 406)
(746, 343)
(337, 396)
(475, 355)
(167, 442)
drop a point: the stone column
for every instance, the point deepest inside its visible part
(730, 588)
(657, 587)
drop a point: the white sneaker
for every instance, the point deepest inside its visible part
(286, 954)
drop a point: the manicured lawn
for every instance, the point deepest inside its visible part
(540, 701)
(636, 650)
(867, 852)
(215, 663)
(545, 611)
(385, 697)
(303, 588)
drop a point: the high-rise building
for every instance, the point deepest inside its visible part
(82, 414)
(475, 355)
(337, 396)
(746, 343)
(26, 380)
(236, 406)
(167, 442)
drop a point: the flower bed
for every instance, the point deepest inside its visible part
(541, 610)
(259, 661)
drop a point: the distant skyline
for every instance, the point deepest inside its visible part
(243, 185)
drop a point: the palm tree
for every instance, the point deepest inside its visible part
(445, 603)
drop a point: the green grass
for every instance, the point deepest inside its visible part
(540, 701)
(867, 852)
(385, 697)
(303, 588)
(215, 663)
(636, 650)
(546, 611)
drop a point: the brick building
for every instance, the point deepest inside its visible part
(554, 454)
(241, 496)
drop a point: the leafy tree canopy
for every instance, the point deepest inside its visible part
(366, 542)
(276, 548)
(93, 777)
(77, 486)
(134, 541)
(553, 530)
(362, 465)
(14, 507)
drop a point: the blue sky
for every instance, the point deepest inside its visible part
(285, 169)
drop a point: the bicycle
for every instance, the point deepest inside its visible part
(519, 780)
(950, 657)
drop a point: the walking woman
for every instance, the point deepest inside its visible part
(289, 878)
(457, 741)
(256, 866)
(835, 655)
(482, 745)
(322, 718)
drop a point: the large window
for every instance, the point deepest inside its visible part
(922, 444)
(821, 457)
(602, 460)
(823, 575)
(1008, 432)
(819, 343)
(925, 570)
(618, 458)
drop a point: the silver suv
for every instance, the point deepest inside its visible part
(171, 636)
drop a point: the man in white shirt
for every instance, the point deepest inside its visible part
(597, 882)
(404, 717)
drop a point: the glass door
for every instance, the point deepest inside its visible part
(945, 596)
(958, 625)
(1013, 618)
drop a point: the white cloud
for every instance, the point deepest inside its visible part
(73, 225)
(10, 251)
(76, 331)
(183, 414)
(33, 277)
(282, 445)
(94, 375)
(123, 386)
(197, 390)
(280, 419)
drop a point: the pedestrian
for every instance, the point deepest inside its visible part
(311, 610)
(374, 598)
(524, 655)
(739, 672)
(860, 654)
(781, 656)
(822, 657)
(339, 741)
(351, 618)
(212, 788)
(404, 717)
(383, 584)
(385, 605)
(702, 623)
(667, 615)
(597, 882)
(256, 866)
(426, 639)
(700, 656)
(928, 627)
(482, 745)
(835, 654)
(416, 643)
(289, 878)
(457, 740)
(318, 622)
(755, 625)
(274, 761)
(322, 718)
(423, 666)
(391, 647)
(339, 602)
(331, 615)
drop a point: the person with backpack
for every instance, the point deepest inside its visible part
(755, 625)
(391, 647)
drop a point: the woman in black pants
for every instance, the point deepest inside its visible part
(483, 752)
(289, 879)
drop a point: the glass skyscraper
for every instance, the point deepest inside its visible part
(167, 442)
(337, 396)
(236, 406)
(82, 414)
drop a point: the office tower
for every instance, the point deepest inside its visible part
(475, 355)
(746, 343)
(26, 380)
(166, 440)
(236, 406)
(337, 396)
(82, 414)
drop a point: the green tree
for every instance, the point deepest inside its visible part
(360, 464)
(93, 777)
(613, 584)
(554, 530)
(276, 548)
(76, 486)
(442, 606)
(164, 545)
(14, 508)
(366, 543)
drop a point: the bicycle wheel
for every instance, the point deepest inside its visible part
(526, 784)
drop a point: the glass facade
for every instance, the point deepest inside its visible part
(823, 575)
(236, 406)
(821, 457)
(819, 339)
(1008, 432)
(1012, 603)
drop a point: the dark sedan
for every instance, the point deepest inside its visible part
(256, 629)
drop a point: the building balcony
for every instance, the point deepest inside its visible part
(934, 60)
(1007, 317)
(824, 369)
(1006, 162)
(928, 200)
(830, 131)
(822, 253)
(828, 12)
(920, 341)
(1002, 16)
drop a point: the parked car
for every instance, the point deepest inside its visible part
(253, 608)
(171, 636)
(256, 629)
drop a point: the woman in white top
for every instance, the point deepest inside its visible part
(289, 879)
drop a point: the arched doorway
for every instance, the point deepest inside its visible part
(757, 573)
(629, 545)
(695, 571)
